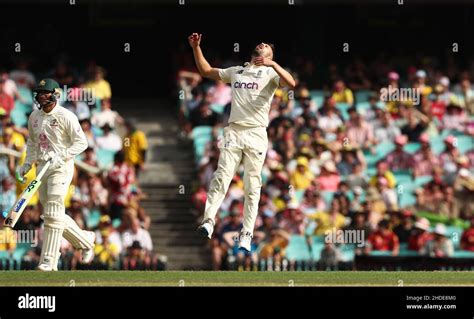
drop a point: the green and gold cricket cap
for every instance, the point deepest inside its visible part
(47, 85)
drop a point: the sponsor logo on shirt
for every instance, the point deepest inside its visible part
(246, 85)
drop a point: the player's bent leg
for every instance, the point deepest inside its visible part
(53, 232)
(229, 160)
(79, 239)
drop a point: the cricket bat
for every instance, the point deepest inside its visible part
(30, 190)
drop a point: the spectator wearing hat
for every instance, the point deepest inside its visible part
(440, 246)
(420, 82)
(420, 235)
(109, 141)
(342, 94)
(135, 258)
(329, 178)
(113, 236)
(424, 160)
(302, 177)
(383, 239)
(467, 238)
(106, 252)
(385, 128)
(455, 119)
(464, 192)
(274, 248)
(329, 221)
(292, 219)
(398, 159)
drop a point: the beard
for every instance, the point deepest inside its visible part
(257, 53)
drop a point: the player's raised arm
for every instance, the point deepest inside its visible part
(203, 66)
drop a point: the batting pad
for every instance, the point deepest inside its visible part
(76, 236)
(53, 233)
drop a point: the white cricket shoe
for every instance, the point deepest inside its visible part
(88, 254)
(46, 267)
(206, 228)
(245, 241)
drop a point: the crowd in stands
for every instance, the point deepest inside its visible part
(346, 155)
(104, 195)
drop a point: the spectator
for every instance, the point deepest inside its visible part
(329, 178)
(330, 257)
(76, 106)
(9, 87)
(274, 249)
(301, 179)
(467, 238)
(106, 115)
(312, 202)
(87, 128)
(203, 116)
(292, 220)
(454, 118)
(467, 93)
(113, 237)
(383, 171)
(383, 239)
(389, 196)
(416, 125)
(399, 159)
(7, 103)
(331, 221)
(440, 246)
(420, 235)
(120, 178)
(405, 228)
(221, 93)
(135, 147)
(107, 252)
(22, 76)
(385, 128)
(341, 94)
(424, 159)
(330, 121)
(110, 140)
(99, 85)
(137, 234)
(359, 132)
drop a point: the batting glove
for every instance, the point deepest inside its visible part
(55, 159)
(21, 172)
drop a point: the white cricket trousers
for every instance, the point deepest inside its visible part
(52, 192)
(239, 144)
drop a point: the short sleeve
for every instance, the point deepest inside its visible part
(274, 76)
(226, 74)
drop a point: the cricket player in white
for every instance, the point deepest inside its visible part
(55, 135)
(245, 138)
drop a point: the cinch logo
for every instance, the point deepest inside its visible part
(243, 85)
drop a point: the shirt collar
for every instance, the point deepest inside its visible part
(53, 111)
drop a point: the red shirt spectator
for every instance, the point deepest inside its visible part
(121, 177)
(420, 236)
(467, 238)
(6, 101)
(329, 179)
(399, 159)
(384, 239)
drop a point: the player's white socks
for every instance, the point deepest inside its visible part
(53, 233)
(75, 235)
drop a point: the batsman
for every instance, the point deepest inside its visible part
(55, 135)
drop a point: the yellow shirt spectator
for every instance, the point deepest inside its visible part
(135, 144)
(101, 88)
(7, 240)
(302, 177)
(327, 223)
(391, 181)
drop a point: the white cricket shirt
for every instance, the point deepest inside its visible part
(253, 88)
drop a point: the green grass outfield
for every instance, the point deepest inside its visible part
(229, 278)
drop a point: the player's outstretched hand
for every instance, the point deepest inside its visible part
(195, 40)
(21, 172)
(263, 61)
